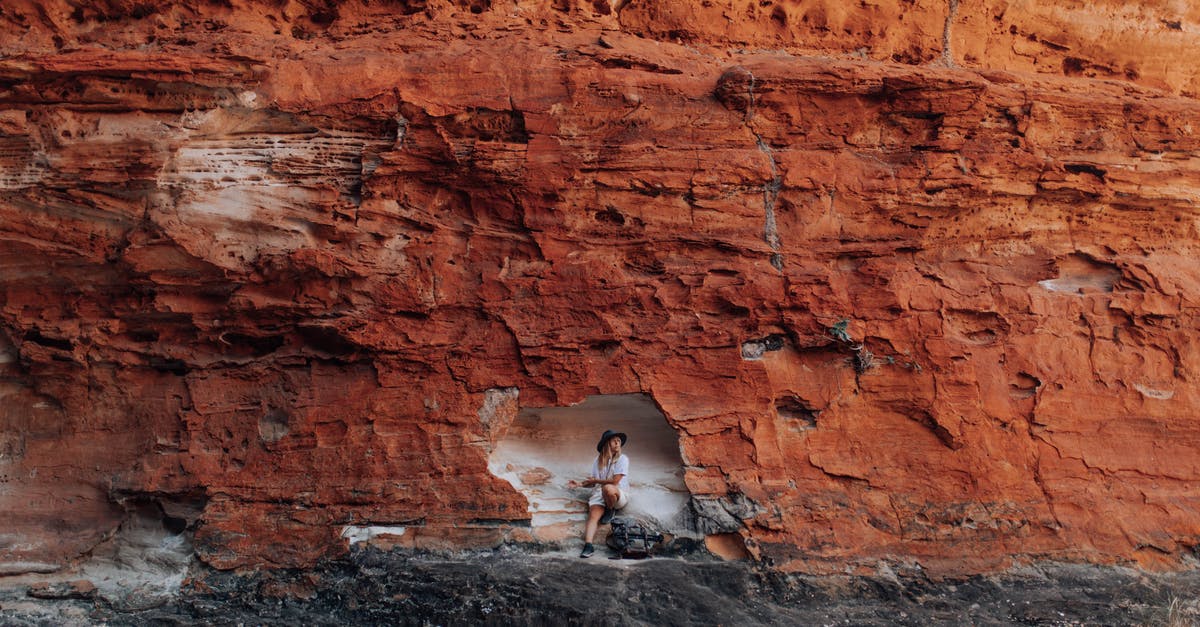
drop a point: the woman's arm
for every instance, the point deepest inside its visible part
(622, 466)
(616, 479)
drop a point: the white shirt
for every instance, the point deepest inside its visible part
(619, 467)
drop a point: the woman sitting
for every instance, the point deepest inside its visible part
(610, 476)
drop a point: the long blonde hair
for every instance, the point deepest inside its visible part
(606, 460)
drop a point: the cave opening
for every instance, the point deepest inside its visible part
(546, 447)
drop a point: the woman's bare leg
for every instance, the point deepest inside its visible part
(612, 494)
(594, 514)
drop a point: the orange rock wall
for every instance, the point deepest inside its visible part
(914, 281)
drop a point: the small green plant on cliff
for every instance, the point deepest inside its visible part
(838, 331)
(862, 359)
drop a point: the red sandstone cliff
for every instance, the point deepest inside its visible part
(911, 280)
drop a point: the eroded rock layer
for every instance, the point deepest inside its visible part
(912, 281)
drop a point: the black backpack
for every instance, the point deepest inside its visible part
(632, 540)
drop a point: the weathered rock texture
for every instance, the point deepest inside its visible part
(509, 587)
(913, 281)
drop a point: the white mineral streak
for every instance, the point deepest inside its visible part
(1149, 392)
(357, 534)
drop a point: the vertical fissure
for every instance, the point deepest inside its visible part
(771, 187)
(770, 196)
(947, 54)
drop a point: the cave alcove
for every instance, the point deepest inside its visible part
(546, 447)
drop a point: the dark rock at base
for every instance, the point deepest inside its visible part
(508, 586)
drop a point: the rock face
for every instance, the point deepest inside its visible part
(912, 281)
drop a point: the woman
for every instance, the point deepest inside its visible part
(610, 476)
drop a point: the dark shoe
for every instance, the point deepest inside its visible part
(608, 516)
(587, 551)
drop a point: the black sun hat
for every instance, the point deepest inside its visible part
(609, 434)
